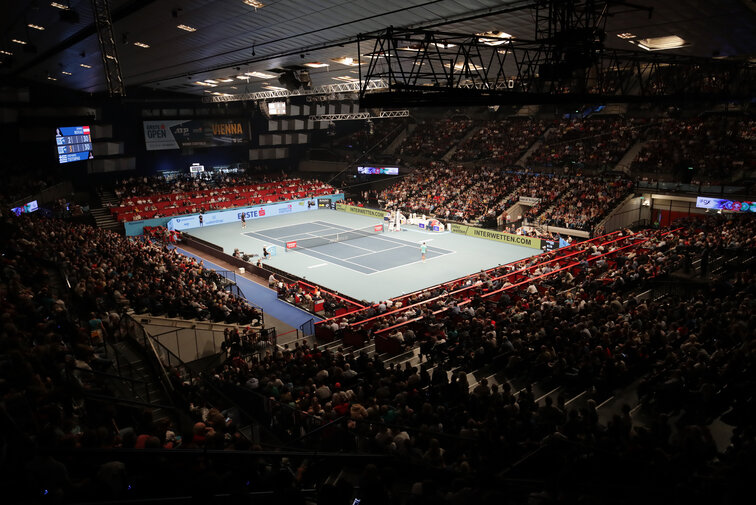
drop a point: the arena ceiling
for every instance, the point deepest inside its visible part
(56, 41)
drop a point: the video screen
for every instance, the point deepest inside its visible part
(378, 170)
(26, 209)
(276, 108)
(723, 204)
(74, 143)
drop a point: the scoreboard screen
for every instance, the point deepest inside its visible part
(74, 143)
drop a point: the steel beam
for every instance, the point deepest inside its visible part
(110, 63)
(431, 68)
(360, 115)
(347, 87)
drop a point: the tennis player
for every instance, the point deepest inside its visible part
(423, 250)
(243, 220)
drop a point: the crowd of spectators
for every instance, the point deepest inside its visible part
(586, 201)
(593, 144)
(541, 189)
(432, 139)
(18, 184)
(145, 186)
(479, 196)
(579, 327)
(589, 333)
(151, 197)
(714, 147)
(112, 272)
(374, 136)
(451, 192)
(503, 141)
(311, 298)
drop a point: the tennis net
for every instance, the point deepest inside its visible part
(310, 242)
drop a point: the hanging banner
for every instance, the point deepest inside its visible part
(180, 133)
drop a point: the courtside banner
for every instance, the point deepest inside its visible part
(187, 222)
(507, 238)
(362, 211)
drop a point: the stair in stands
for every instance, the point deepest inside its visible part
(139, 384)
(102, 216)
(394, 145)
(468, 135)
(623, 165)
(539, 141)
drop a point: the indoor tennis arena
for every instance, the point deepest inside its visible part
(411, 252)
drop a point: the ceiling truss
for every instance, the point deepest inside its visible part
(328, 89)
(430, 68)
(386, 114)
(110, 63)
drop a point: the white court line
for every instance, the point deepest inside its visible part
(334, 257)
(376, 252)
(403, 242)
(393, 240)
(319, 265)
(300, 236)
(399, 244)
(414, 262)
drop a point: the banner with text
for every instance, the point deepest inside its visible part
(180, 133)
(362, 211)
(507, 238)
(529, 200)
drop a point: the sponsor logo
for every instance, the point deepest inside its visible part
(228, 129)
(360, 210)
(155, 131)
(507, 238)
(251, 214)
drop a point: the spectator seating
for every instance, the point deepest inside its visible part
(593, 143)
(714, 148)
(503, 141)
(432, 139)
(147, 206)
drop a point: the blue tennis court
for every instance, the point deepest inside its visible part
(365, 254)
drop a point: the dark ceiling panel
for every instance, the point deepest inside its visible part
(321, 30)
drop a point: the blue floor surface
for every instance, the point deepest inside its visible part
(263, 297)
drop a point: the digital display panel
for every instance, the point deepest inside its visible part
(723, 204)
(276, 108)
(27, 208)
(378, 170)
(74, 143)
